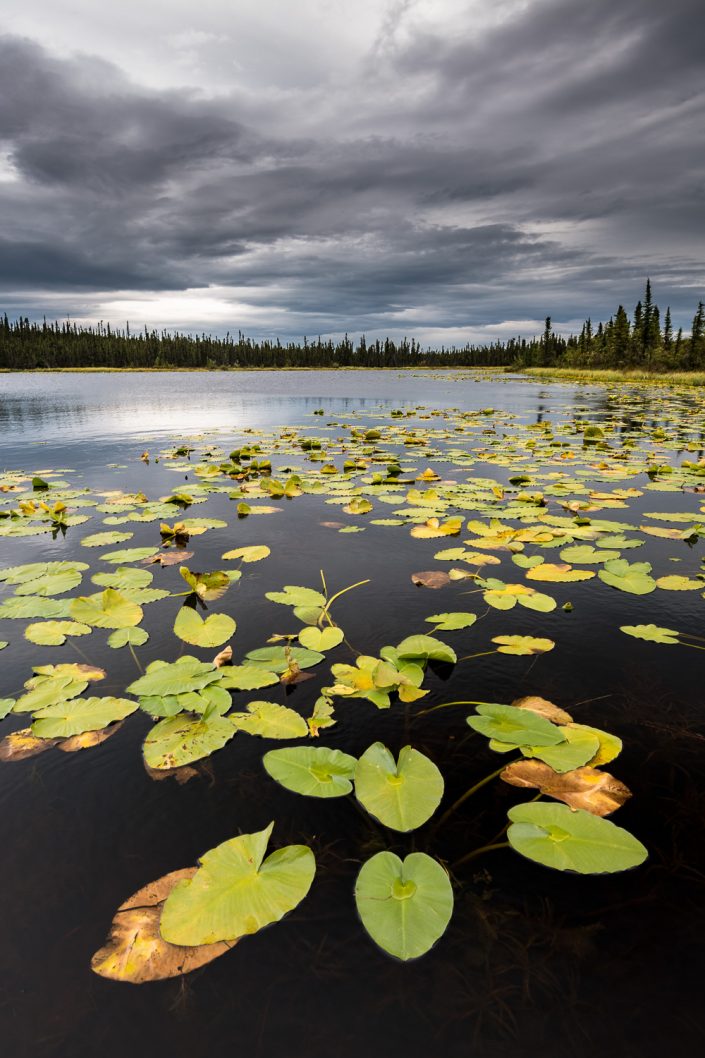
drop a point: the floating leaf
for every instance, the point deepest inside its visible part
(579, 747)
(31, 606)
(630, 577)
(54, 633)
(523, 645)
(651, 633)
(236, 891)
(253, 553)
(425, 648)
(403, 795)
(312, 771)
(105, 539)
(182, 739)
(44, 578)
(76, 715)
(130, 554)
(186, 674)
(247, 677)
(676, 583)
(558, 573)
(19, 745)
(277, 659)
(568, 840)
(452, 622)
(107, 609)
(543, 708)
(213, 632)
(521, 727)
(434, 578)
(270, 720)
(320, 639)
(135, 950)
(122, 637)
(595, 791)
(405, 906)
(295, 596)
(88, 739)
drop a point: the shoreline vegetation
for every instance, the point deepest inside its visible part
(639, 349)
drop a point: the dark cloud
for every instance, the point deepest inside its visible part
(544, 166)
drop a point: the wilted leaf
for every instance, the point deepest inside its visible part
(595, 791)
(434, 578)
(135, 950)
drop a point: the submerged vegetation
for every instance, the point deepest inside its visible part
(646, 343)
(535, 508)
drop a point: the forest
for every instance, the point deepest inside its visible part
(643, 342)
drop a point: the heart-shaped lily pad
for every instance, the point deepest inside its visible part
(402, 794)
(312, 771)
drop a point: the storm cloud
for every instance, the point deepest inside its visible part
(448, 170)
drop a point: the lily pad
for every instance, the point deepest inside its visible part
(652, 633)
(213, 632)
(182, 739)
(76, 715)
(54, 633)
(107, 609)
(451, 622)
(320, 639)
(312, 771)
(236, 891)
(522, 727)
(122, 637)
(252, 553)
(405, 906)
(270, 720)
(402, 794)
(567, 840)
(136, 952)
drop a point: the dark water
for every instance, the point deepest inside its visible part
(534, 962)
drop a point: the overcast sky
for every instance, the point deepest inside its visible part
(449, 169)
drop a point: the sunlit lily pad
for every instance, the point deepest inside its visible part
(211, 632)
(76, 715)
(522, 727)
(107, 609)
(452, 622)
(651, 633)
(182, 739)
(594, 791)
(54, 633)
(122, 637)
(236, 891)
(270, 720)
(405, 906)
(402, 794)
(186, 674)
(523, 645)
(630, 577)
(320, 639)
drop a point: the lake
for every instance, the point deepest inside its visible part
(533, 960)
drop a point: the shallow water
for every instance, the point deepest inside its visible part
(534, 961)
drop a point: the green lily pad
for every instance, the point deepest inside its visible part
(236, 891)
(320, 639)
(523, 645)
(312, 771)
(275, 659)
(105, 539)
(580, 747)
(54, 633)
(48, 692)
(76, 715)
(630, 577)
(652, 633)
(107, 609)
(253, 553)
(129, 554)
(403, 795)
(270, 720)
(121, 637)
(405, 906)
(186, 674)
(295, 596)
(213, 632)
(508, 723)
(246, 677)
(44, 578)
(33, 606)
(426, 648)
(182, 739)
(568, 840)
(208, 586)
(451, 622)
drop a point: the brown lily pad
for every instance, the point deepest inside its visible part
(88, 739)
(432, 578)
(224, 657)
(168, 558)
(595, 791)
(19, 745)
(182, 774)
(135, 951)
(544, 708)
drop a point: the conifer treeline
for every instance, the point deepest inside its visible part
(644, 342)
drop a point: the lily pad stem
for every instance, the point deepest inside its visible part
(468, 793)
(480, 851)
(329, 602)
(446, 705)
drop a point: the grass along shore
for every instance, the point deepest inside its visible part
(586, 374)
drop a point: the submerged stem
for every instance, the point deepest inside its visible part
(329, 602)
(468, 793)
(137, 661)
(446, 705)
(478, 852)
